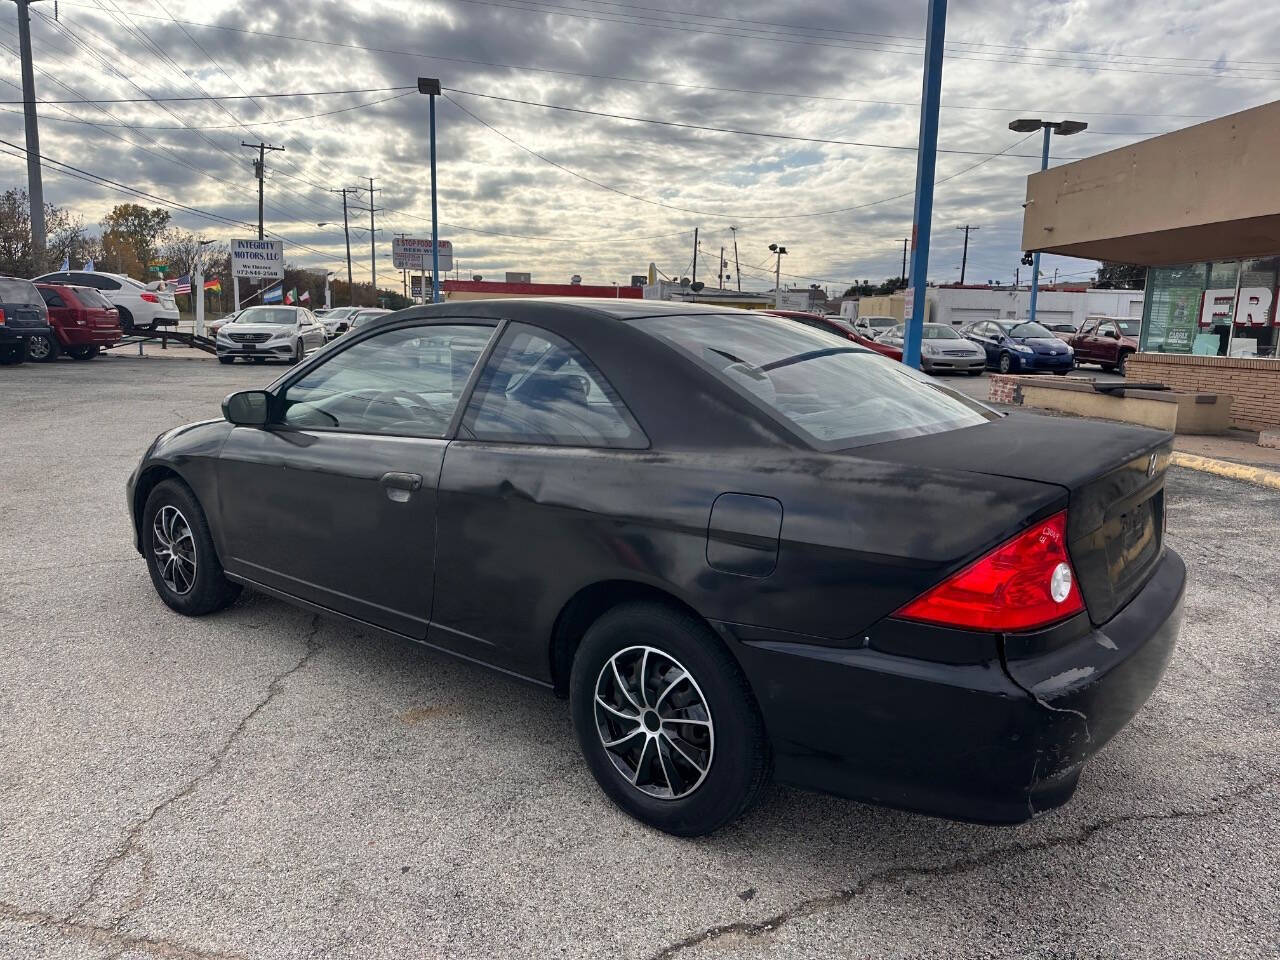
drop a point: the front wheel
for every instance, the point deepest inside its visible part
(1006, 363)
(13, 355)
(1120, 367)
(180, 555)
(975, 373)
(297, 353)
(126, 321)
(226, 359)
(42, 348)
(83, 353)
(666, 720)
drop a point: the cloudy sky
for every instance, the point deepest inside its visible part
(557, 192)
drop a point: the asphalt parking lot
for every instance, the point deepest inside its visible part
(264, 783)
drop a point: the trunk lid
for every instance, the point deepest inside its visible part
(1114, 478)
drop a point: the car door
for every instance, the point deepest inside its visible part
(528, 497)
(1085, 347)
(984, 335)
(1107, 343)
(334, 501)
(312, 332)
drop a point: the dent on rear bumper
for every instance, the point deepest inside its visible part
(984, 742)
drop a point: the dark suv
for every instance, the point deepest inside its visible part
(23, 315)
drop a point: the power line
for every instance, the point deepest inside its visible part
(735, 132)
(255, 96)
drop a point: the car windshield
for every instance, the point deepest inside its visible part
(340, 313)
(1028, 329)
(19, 291)
(938, 331)
(837, 396)
(1129, 327)
(277, 315)
(361, 319)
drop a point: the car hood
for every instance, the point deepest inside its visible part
(257, 328)
(968, 346)
(1041, 344)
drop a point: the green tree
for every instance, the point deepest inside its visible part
(136, 229)
(1121, 276)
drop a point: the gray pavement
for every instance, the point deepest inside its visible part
(264, 783)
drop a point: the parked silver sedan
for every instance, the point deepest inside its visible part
(270, 333)
(942, 350)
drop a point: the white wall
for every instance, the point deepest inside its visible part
(961, 306)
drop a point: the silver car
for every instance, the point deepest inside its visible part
(270, 333)
(942, 349)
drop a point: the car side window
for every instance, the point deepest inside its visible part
(404, 382)
(51, 298)
(538, 388)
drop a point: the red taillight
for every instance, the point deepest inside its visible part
(1, 316)
(1023, 584)
(150, 298)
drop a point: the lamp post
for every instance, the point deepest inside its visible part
(431, 88)
(197, 286)
(779, 252)
(1063, 128)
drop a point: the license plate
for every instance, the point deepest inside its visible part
(248, 346)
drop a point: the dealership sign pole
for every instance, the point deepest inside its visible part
(926, 161)
(431, 87)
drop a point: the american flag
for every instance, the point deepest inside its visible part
(183, 285)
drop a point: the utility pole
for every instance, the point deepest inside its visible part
(905, 244)
(722, 268)
(695, 254)
(373, 246)
(964, 257)
(737, 270)
(35, 186)
(259, 171)
(346, 231)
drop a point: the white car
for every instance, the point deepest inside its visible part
(270, 333)
(142, 306)
(871, 327)
(336, 320)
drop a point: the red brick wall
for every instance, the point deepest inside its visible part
(1252, 382)
(1001, 388)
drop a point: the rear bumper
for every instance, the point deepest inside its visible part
(89, 336)
(973, 741)
(12, 336)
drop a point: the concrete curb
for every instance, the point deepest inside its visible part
(1224, 468)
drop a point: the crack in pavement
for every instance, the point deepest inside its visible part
(106, 936)
(1222, 804)
(132, 839)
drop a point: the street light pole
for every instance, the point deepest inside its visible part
(431, 87)
(737, 272)
(1064, 128)
(779, 252)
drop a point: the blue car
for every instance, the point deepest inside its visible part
(1019, 346)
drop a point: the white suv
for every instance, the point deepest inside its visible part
(141, 306)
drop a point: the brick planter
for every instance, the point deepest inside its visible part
(1253, 382)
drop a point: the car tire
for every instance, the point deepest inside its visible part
(1061, 373)
(976, 373)
(126, 321)
(180, 555)
(42, 349)
(13, 355)
(1005, 363)
(298, 353)
(83, 353)
(1107, 367)
(688, 676)
(1124, 362)
(226, 359)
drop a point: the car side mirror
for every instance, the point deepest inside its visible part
(248, 408)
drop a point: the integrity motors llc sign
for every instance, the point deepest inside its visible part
(257, 259)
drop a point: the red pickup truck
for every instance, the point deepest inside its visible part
(1108, 341)
(84, 323)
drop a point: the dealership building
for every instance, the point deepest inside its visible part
(1199, 207)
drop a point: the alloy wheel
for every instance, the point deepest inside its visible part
(654, 722)
(175, 549)
(38, 348)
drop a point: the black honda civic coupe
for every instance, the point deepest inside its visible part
(740, 547)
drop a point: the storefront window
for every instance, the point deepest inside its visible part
(1214, 309)
(1171, 311)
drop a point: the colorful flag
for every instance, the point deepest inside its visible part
(306, 297)
(291, 297)
(215, 285)
(88, 265)
(183, 285)
(66, 262)
(274, 295)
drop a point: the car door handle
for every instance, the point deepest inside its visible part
(402, 481)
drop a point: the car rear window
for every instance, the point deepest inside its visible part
(19, 291)
(91, 297)
(834, 395)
